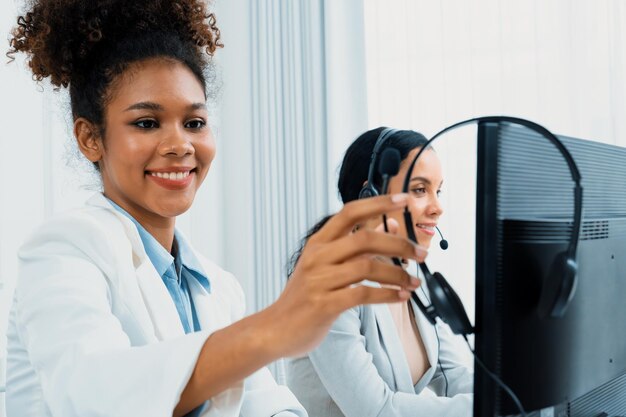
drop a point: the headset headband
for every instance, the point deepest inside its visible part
(575, 173)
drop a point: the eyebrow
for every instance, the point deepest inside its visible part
(196, 106)
(424, 180)
(149, 105)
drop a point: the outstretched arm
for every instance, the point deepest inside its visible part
(321, 287)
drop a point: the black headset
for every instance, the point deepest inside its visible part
(560, 285)
(369, 189)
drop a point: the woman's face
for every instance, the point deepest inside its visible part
(157, 147)
(424, 188)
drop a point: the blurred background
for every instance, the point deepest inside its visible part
(300, 80)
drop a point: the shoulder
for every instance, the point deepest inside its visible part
(362, 313)
(79, 250)
(83, 227)
(357, 319)
(90, 232)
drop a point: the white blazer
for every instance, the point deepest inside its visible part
(93, 330)
(360, 370)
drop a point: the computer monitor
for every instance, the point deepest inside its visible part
(569, 366)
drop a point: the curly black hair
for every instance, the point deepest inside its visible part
(86, 44)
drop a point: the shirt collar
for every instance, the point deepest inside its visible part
(189, 260)
(161, 259)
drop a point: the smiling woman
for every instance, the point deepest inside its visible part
(114, 312)
(387, 360)
(158, 146)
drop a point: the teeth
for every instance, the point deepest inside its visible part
(171, 175)
(421, 226)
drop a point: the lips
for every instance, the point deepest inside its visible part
(427, 228)
(172, 178)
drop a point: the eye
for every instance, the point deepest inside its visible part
(195, 124)
(439, 193)
(146, 124)
(419, 190)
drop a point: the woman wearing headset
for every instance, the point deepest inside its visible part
(386, 360)
(115, 313)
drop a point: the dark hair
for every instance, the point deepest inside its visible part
(356, 161)
(86, 44)
(354, 170)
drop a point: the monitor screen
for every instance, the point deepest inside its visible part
(569, 366)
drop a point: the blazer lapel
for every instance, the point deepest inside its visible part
(394, 349)
(158, 302)
(156, 298)
(214, 309)
(429, 338)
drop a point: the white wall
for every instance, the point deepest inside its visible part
(21, 171)
(561, 63)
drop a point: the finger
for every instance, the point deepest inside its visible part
(346, 298)
(356, 212)
(370, 269)
(370, 242)
(392, 225)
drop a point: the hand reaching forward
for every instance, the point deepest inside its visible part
(333, 262)
(323, 285)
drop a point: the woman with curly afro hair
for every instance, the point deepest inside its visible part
(115, 313)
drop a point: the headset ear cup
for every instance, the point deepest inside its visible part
(558, 287)
(448, 305)
(568, 287)
(367, 192)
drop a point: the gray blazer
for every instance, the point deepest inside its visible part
(360, 370)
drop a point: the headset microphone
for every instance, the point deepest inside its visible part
(389, 166)
(443, 244)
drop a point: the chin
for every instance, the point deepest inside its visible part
(424, 242)
(175, 208)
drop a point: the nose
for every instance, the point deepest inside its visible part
(176, 143)
(435, 208)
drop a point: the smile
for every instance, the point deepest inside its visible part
(172, 178)
(428, 229)
(171, 175)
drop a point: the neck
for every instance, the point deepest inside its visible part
(161, 228)
(163, 232)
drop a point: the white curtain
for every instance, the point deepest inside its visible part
(294, 94)
(288, 94)
(288, 138)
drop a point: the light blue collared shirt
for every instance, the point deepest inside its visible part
(175, 271)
